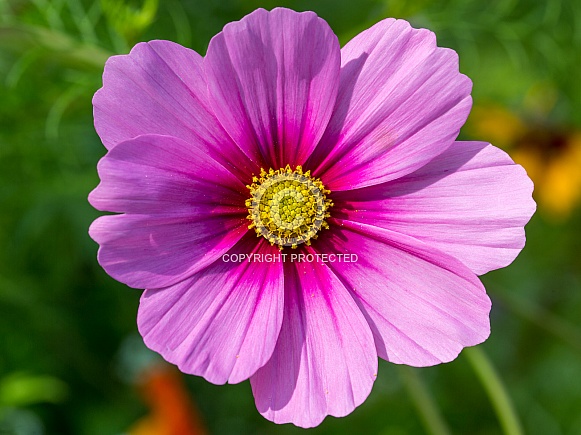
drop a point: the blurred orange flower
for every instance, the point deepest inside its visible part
(172, 411)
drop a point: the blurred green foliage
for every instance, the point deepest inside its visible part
(21, 389)
(65, 363)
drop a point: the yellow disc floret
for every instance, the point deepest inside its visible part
(287, 207)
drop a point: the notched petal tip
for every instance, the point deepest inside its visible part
(94, 198)
(532, 204)
(93, 228)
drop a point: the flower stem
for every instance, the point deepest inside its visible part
(431, 417)
(495, 389)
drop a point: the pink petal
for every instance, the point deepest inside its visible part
(160, 88)
(273, 79)
(423, 305)
(221, 323)
(324, 362)
(155, 174)
(471, 202)
(150, 251)
(184, 210)
(401, 102)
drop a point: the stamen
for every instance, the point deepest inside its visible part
(287, 207)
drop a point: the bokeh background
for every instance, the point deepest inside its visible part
(71, 360)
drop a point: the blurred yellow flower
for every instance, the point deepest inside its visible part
(550, 155)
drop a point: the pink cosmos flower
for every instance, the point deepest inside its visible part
(202, 148)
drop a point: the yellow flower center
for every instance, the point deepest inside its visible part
(287, 207)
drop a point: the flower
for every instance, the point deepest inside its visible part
(279, 130)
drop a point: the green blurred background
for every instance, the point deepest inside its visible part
(71, 361)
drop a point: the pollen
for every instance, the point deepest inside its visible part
(287, 207)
